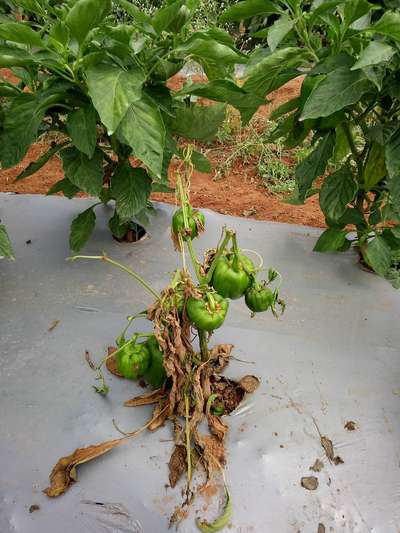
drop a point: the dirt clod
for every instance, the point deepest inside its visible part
(350, 425)
(249, 383)
(34, 507)
(338, 460)
(309, 483)
(317, 466)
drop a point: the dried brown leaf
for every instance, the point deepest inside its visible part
(328, 447)
(338, 460)
(217, 427)
(321, 528)
(350, 425)
(53, 325)
(146, 399)
(177, 464)
(111, 363)
(249, 383)
(64, 472)
(317, 466)
(220, 355)
(160, 414)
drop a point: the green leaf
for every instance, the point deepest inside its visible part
(378, 255)
(352, 216)
(113, 90)
(375, 53)
(389, 25)
(131, 189)
(117, 228)
(331, 240)
(248, 9)
(337, 191)
(11, 56)
(5, 243)
(59, 33)
(20, 128)
(278, 31)
(81, 125)
(205, 48)
(85, 15)
(392, 154)
(342, 147)
(66, 187)
(174, 16)
(85, 173)
(274, 70)
(340, 88)
(374, 169)
(39, 163)
(201, 162)
(198, 122)
(158, 186)
(143, 129)
(322, 9)
(226, 91)
(140, 17)
(355, 9)
(81, 229)
(314, 164)
(291, 105)
(394, 189)
(343, 59)
(19, 32)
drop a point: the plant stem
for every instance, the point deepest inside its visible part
(187, 432)
(220, 251)
(132, 273)
(203, 344)
(353, 149)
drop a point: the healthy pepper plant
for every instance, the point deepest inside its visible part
(349, 107)
(98, 89)
(175, 359)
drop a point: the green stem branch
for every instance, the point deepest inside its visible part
(220, 251)
(129, 271)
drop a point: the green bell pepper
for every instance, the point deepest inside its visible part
(259, 298)
(207, 313)
(133, 359)
(155, 374)
(231, 277)
(196, 220)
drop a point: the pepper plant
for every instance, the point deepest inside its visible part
(175, 359)
(349, 108)
(98, 89)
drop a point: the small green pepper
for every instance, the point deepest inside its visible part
(259, 298)
(133, 360)
(231, 277)
(196, 221)
(155, 374)
(207, 313)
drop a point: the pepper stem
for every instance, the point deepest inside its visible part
(203, 345)
(122, 267)
(220, 251)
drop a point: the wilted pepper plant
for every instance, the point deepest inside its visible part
(175, 358)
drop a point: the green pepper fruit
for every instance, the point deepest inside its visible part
(155, 374)
(259, 298)
(207, 313)
(133, 360)
(196, 221)
(231, 277)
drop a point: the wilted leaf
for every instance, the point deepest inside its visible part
(146, 399)
(64, 472)
(222, 521)
(177, 464)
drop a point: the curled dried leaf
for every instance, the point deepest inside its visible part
(309, 483)
(217, 427)
(111, 363)
(146, 399)
(64, 472)
(249, 383)
(177, 464)
(160, 414)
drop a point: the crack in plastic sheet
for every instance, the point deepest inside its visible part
(108, 517)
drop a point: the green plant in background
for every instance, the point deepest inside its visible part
(349, 106)
(101, 86)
